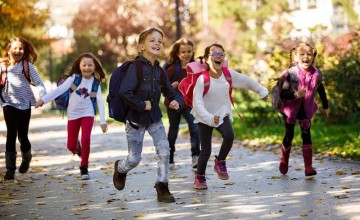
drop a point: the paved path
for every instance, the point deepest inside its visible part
(52, 188)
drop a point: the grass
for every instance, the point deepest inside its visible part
(329, 139)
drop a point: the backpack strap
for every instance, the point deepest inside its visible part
(26, 70)
(93, 93)
(76, 83)
(206, 76)
(228, 78)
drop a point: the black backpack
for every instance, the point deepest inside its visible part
(117, 107)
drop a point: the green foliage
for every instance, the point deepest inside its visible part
(22, 18)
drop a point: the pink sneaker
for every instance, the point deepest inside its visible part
(200, 182)
(220, 169)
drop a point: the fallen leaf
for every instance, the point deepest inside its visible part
(318, 201)
(355, 172)
(275, 177)
(304, 214)
(340, 172)
(139, 215)
(229, 183)
(196, 201)
(345, 187)
(344, 196)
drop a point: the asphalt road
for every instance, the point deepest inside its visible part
(52, 188)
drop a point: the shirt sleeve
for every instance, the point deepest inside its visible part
(242, 81)
(35, 78)
(59, 90)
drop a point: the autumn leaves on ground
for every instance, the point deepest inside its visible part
(52, 188)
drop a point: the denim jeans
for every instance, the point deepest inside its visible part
(174, 119)
(135, 138)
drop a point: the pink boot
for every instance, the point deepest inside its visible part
(200, 181)
(307, 154)
(284, 159)
(220, 169)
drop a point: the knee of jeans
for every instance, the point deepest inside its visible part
(163, 149)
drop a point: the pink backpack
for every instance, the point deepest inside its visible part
(194, 70)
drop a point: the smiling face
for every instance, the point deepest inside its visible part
(304, 57)
(152, 45)
(87, 67)
(185, 54)
(215, 59)
(16, 52)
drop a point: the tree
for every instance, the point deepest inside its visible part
(109, 28)
(23, 18)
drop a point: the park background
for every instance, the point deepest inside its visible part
(257, 36)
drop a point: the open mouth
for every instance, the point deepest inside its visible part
(217, 62)
(156, 48)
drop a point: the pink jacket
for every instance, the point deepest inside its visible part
(310, 81)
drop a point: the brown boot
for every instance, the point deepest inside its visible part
(307, 154)
(25, 163)
(118, 178)
(163, 193)
(10, 160)
(284, 159)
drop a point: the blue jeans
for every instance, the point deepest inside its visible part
(135, 138)
(174, 119)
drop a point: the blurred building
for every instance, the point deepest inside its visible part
(318, 17)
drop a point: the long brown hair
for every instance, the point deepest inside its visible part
(29, 50)
(99, 73)
(174, 53)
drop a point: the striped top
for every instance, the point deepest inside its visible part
(17, 91)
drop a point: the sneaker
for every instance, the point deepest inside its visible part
(118, 178)
(220, 169)
(200, 182)
(163, 193)
(194, 162)
(79, 149)
(172, 166)
(84, 173)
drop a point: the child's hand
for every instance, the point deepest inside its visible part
(39, 103)
(300, 93)
(174, 105)
(326, 112)
(175, 84)
(104, 128)
(148, 105)
(216, 119)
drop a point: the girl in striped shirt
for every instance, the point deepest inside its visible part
(16, 99)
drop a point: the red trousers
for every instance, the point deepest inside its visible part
(86, 124)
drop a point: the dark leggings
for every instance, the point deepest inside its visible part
(17, 124)
(289, 135)
(205, 133)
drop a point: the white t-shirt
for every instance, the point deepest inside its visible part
(80, 104)
(217, 100)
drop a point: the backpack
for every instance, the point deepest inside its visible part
(117, 107)
(276, 100)
(194, 70)
(62, 101)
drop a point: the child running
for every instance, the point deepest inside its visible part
(213, 111)
(81, 110)
(145, 114)
(299, 87)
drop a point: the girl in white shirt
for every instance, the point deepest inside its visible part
(213, 110)
(80, 111)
